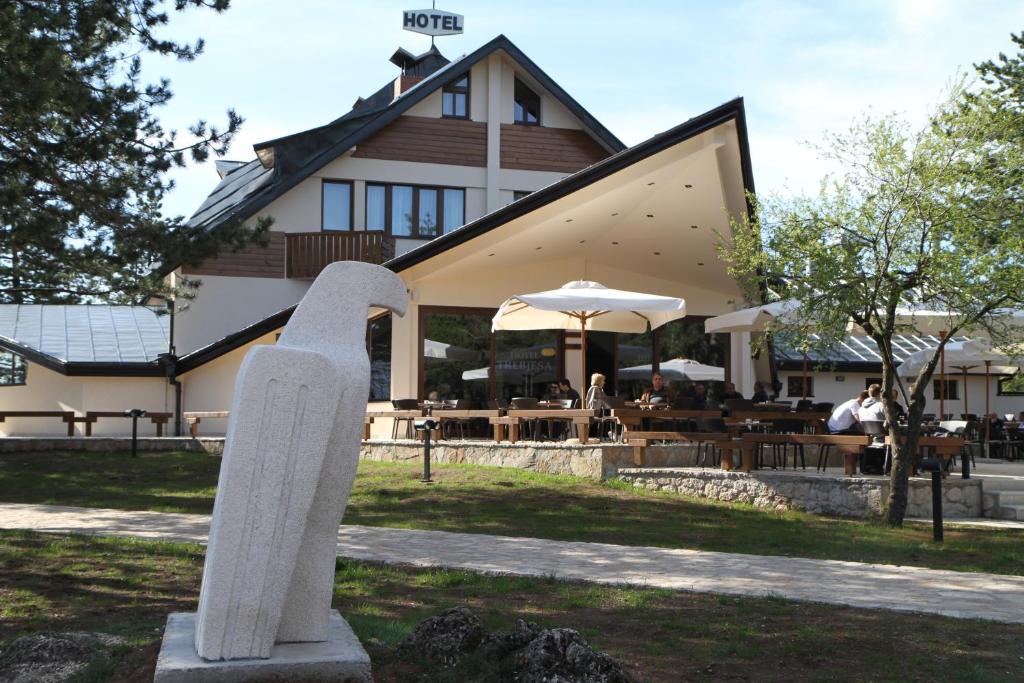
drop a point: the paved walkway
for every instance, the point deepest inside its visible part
(956, 594)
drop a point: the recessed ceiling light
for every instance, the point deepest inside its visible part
(582, 241)
(687, 186)
(568, 220)
(538, 248)
(616, 213)
(650, 215)
(614, 242)
(490, 254)
(649, 184)
(657, 253)
(700, 263)
(694, 227)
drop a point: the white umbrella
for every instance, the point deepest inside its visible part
(963, 355)
(583, 305)
(676, 369)
(436, 349)
(754, 319)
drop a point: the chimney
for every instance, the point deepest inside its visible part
(404, 82)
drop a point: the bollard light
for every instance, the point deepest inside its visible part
(426, 426)
(934, 465)
(135, 414)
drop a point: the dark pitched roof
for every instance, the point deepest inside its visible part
(86, 339)
(730, 111)
(295, 157)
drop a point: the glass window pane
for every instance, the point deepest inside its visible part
(375, 202)
(428, 212)
(380, 357)
(20, 370)
(447, 104)
(454, 209)
(683, 339)
(456, 357)
(526, 363)
(460, 104)
(401, 210)
(337, 209)
(633, 364)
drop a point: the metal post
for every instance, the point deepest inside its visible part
(135, 432)
(937, 506)
(426, 455)
(965, 462)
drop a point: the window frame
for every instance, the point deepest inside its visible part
(15, 358)
(517, 84)
(351, 202)
(453, 89)
(952, 389)
(794, 382)
(999, 387)
(416, 234)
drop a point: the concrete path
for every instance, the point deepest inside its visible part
(955, 594)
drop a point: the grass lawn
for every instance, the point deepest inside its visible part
(508, 502)
(127, 587)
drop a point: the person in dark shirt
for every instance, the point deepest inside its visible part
(760, 395)
(568, 392)
(730, 392)
(658, 390)
(700, 396)
(897, 407)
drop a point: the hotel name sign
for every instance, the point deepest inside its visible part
(432, 22)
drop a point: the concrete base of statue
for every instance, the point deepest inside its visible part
(341, 658)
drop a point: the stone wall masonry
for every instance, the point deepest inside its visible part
(582, 460)
(146, 444)
(827, 495)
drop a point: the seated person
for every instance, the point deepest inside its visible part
(700, 396)
(730, 392)
(845, 418)
(872, 409)
(567, 392)
(658, 390)
(760, 395)
(897, 407)
(596, 398)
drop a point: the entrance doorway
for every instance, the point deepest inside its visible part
(601, 358)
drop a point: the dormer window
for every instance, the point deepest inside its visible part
(455, 98)
(527, 105)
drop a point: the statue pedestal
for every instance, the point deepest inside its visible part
(340, 658)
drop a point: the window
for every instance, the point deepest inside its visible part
(455, 98)
(13, 370)
(519, 194)
(527, 106)
(795, 387)
(336, 205)
(412, 211)
(378, 348)
(1010, 386)
(951, 390)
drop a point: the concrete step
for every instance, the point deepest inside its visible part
(1007, 512)
(1000, 482)
(1009, 497)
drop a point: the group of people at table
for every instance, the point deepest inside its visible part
(660, 392)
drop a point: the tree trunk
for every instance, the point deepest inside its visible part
(903, 446)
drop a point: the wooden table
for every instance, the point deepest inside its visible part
(193, 419)
(91, 416)
(641, 440)
(629, 418)
(816, 420)
(66, 416)
(946, 447)
(512, 421)
(851, 446)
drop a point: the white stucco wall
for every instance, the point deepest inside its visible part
(49, 390)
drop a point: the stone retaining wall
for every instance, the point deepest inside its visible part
(13, 444)
(827, 495)
(581, 460)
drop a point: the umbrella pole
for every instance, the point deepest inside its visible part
(583, 354)
(942, 379)
(804, 380)
(988, 367)
(967, 410)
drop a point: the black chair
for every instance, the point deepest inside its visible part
(823, 407)
(804, 405)
(404, 404)
(459, 424)
(683, 403)
(876, 430)
(531, 426)
(784, 425)
(710, 425)
(734, 405)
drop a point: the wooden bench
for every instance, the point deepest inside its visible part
(850, 446)
(640, 441)
(631, 418)
(579, 417)
(193, 419)
(91, 416)
(946, 447)
(66, 416)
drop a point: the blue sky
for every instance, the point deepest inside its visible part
(804, 68)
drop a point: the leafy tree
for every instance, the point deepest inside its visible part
(926, 219)
(83, 157)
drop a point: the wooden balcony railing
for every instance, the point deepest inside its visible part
(307, 253)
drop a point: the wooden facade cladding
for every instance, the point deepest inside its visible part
(428, 140)
(249, 262)
(535, 148)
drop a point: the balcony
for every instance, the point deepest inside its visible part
(308, 253)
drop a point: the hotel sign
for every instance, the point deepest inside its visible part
(432, 22)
